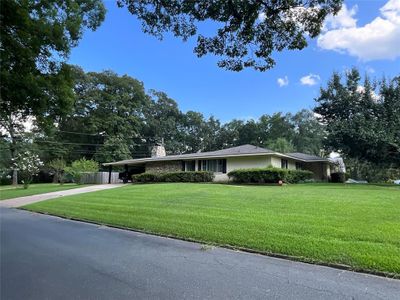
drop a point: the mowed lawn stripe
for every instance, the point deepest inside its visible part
(7, 192)
(354, 225)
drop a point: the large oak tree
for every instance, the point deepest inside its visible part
(36, 38)
(362, 118)
(248, 31)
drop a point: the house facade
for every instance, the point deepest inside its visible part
(221, 162)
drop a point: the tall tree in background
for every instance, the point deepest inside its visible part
(362, 122)
(308, 132)
(107, 117)
(249, 31)
(36, 37)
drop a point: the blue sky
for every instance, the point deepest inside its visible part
(366, 34)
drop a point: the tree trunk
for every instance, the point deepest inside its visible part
(15, 177)
(13, 150)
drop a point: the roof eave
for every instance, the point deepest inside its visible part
(151, 159)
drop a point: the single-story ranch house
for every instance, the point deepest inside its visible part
(223, 161)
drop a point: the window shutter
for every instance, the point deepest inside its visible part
(199, 165)
(224, 166)
(183, 165)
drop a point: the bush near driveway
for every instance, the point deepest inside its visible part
(269, 175)
(196, 176)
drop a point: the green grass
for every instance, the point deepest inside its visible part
(9, 192)
(356, 225)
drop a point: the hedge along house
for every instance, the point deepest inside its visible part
(221, 162)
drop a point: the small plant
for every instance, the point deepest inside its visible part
(80, 166)
(28, 165)
(58, 167)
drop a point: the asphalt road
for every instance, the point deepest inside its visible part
(45, 257)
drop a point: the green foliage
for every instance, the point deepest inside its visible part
(115, 148)
(269, 175)
(297, 176)
(36, 38)
(281, 145)
(371, 172)
(114, 119)
(107, 117)
(248, 31)
(146, 178)
(362, 119)
(195, 176)
(58, 167)
(80, 166)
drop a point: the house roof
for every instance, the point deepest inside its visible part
(306, 157)
(244, 150)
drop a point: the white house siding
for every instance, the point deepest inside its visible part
(234, 163)
(276, 162)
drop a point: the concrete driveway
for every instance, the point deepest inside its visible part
(44, 257)
(21, 201)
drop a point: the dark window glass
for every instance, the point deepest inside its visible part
(284, 164)
(190, 165)
(299, 166)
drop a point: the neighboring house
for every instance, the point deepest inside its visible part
(221, 162)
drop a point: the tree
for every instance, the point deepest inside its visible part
(164, 121)
(80, 166)
(28, 164)
(362, 119)
(249, 31)
(36, 38)
(308, 133)
(115, 148)
(108, 108)
(281, 145)
(58, 167)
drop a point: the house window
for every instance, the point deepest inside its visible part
(190, 165)
(213, 165)
(284, 164)
(299, 166)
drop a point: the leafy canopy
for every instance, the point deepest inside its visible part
(362, 118)
(36, 38)
(248, 31)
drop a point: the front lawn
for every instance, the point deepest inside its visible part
(8, 191)
(356, 225)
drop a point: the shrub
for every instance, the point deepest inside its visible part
(193, 176)
(196, 176)
(146, 177)
(269, 175)
(296, 176)
(338, 177)
(5, 177)
(58, 167)
(80, 166)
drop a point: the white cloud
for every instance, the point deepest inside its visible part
(379, 39)
(343, 19)
(310, 79)
(283, 81)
